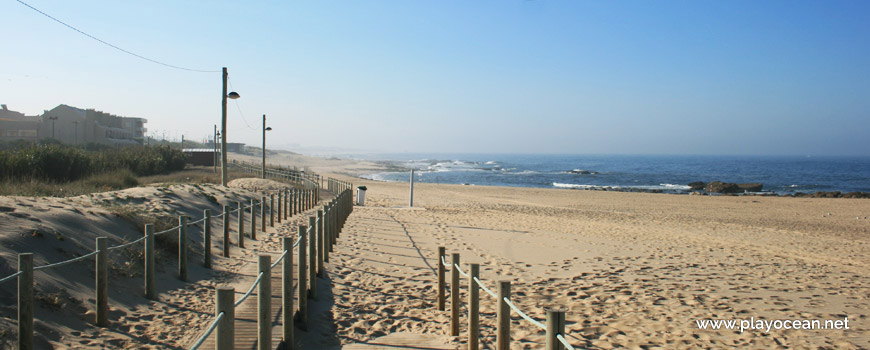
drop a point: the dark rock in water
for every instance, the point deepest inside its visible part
(721, 187)
(750, 187)
(856, 195)
(822, 194)
(799, 195)
(582, 172)
(697, 185)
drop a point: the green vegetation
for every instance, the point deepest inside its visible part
(52, 169)
(59, 163)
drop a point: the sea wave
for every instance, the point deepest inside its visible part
(664, 187)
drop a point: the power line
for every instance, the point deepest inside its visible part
(113, 46)
(239, 106)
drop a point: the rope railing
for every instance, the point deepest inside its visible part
(250, 291)
(564, 342)
(66, 262)
(479, 283)
(303, 200)
(208, 332)
(324, 231)
(127, 244)
(10, 277)
(279, 260)
(523, 314)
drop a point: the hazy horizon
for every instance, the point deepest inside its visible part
(779, 78)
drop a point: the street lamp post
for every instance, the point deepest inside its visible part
(265, 128)
(224, 96)
(214, 146)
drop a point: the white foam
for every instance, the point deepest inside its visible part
(561, 185)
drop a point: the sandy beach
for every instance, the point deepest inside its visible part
(633, 270)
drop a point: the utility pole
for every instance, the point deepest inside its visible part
(264, 146)
(214, 146)
(224, 130)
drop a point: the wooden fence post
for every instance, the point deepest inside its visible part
(149, 261)
(226, 231)
(182, 248)
(441, 271)
(102, 287)
(503, 331)
(241, 219)
(206, 238)
(264, 304)
(473, 307)
(287, 293)
(320, 245)
(263, 212)
(253, 219)
(280, 202)
(555, 325)
(25, 301)
(292, 204)
(286, 203)
(303, 280)
(312, 257)
(225, 333)
(327, 216)
(272, 210)
(454, 295)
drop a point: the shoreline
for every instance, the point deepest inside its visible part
(818, 194)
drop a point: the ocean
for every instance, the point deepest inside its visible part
(778, 174)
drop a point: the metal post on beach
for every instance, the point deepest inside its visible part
(411, 201)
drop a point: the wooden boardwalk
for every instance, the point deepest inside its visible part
(246, 313)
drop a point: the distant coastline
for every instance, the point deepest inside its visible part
(820, 177)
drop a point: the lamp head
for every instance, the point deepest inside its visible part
(269, 128)
(233, 95)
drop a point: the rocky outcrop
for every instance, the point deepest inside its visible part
(725, 187)
(721, 187)
(750, 187)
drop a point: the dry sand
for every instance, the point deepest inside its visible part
(634, 270)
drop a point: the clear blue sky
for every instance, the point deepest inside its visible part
(636, 77)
